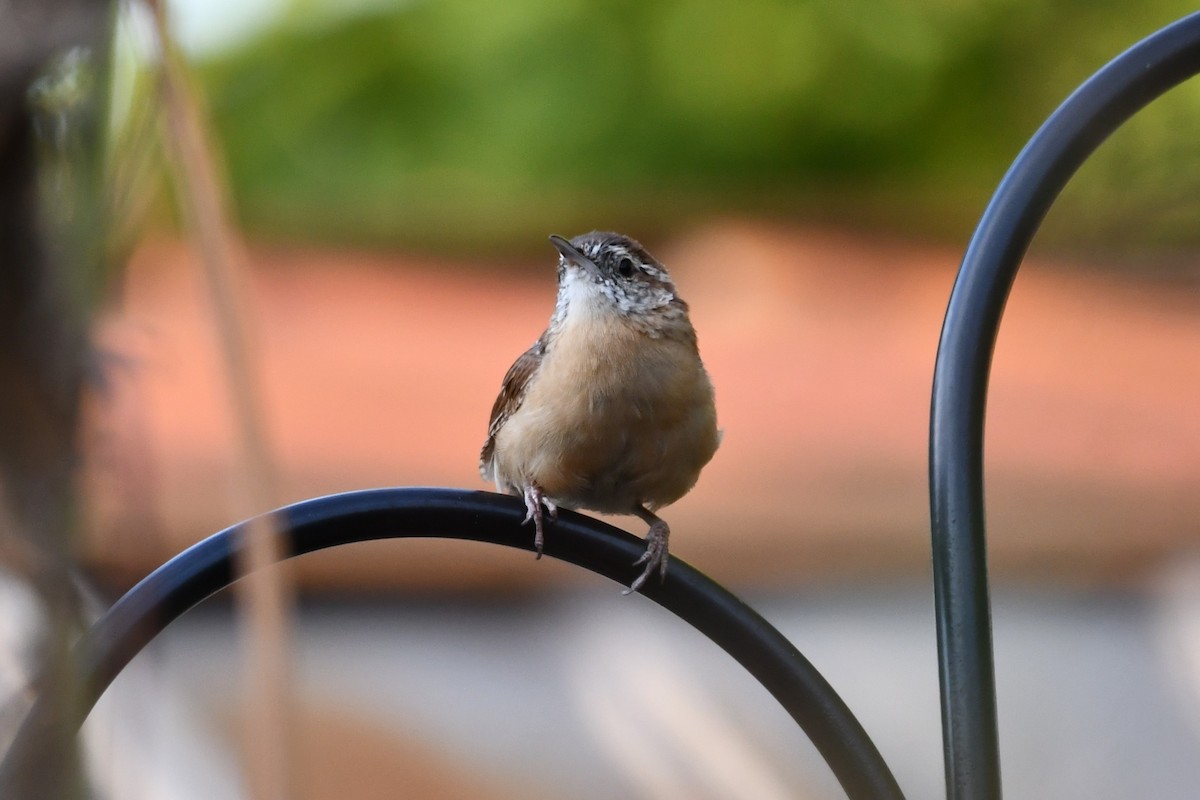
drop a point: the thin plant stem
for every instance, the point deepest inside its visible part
(267, 589)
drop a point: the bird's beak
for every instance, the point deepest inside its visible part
(572, 254)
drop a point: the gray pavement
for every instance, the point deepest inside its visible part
(592, 695)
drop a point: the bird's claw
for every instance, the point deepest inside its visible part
(534, 500)
(655, 558)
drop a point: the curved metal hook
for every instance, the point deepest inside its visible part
(1068, 137)
(208, 567)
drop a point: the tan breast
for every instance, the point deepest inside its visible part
(612, 419)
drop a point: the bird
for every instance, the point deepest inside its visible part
(611, 409)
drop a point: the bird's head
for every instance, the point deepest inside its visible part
(612, 273)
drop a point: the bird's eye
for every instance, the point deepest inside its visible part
(625, 267)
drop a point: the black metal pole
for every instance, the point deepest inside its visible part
(1055, 152)
(316, 524)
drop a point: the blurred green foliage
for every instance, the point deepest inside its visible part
(454, 123)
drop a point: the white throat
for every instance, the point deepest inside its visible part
(579, 298)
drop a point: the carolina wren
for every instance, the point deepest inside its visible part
(611, 409)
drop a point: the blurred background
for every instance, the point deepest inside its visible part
(284, 248)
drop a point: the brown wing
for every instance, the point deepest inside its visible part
(512, 392)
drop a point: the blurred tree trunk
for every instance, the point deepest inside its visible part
(51, 62)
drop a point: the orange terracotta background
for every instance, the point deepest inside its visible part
(380, 369)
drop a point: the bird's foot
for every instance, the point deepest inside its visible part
(534, 500)
(656, 556)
